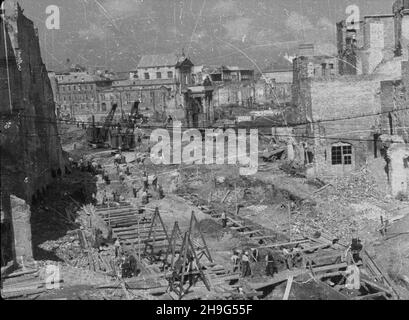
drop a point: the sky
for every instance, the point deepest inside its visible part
(113, 34)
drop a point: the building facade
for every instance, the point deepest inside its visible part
(77, 95)
(377, 38)
(30, 149)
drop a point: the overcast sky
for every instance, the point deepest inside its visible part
(115, 33)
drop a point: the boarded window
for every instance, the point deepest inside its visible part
(341, 154)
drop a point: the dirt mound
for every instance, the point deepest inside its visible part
(211, 228)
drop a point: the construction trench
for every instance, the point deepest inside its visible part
(120, 227)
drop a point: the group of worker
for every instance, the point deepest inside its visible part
(242, 259)
(127, 263)
(85, 165)
(241, 263)
(115, 198)
(189, 267)
(156, 187)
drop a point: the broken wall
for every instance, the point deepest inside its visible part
(30, 151)
(345, 104)
(398, 155)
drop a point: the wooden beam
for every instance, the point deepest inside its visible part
(370, 296)
(288, 287)
(376, 286)
(283, 244)
(246, 233)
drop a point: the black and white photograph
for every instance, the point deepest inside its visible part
(204, 157)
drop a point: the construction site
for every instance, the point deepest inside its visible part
(87, 213)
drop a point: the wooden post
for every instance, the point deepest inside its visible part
(139, 242)
(235, 191)
(288, 287)
(289, 220)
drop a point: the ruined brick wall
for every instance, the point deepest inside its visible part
(30, 148)
(395, 96)
(401, 12)
(379, 43)
(233, 93)
(347, 98)
(398, 155)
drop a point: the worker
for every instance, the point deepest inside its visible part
(94, 198)
(117, 159)
(121, 177)
(155, 182)
(288, 258)
(161, 194)
(134, 191)
(80, 164)
(168, 121)
(356, 248)
(271, 267)
(245, 265)
(117, 246)
(145, 181)
(224, 219)
(235, 259)
(254, 253)
(145, 198)
(104, 198)
(105, 177)
(126, 268)
(115, 196)
(353, 275)
(127, 171)
(133, 266)
(94, 167)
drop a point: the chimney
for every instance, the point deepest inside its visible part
(306, 50)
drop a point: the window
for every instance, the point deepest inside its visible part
(146, 74)
(170, 74)
(158, 75)
(341, 154)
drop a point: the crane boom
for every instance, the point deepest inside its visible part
(110, 117)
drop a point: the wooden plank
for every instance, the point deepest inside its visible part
(239, 228)
(383, 274)
(370, 296)
(234, 221)
(321, 246)
(279, 277)
(225, 196)
(284, 244)
(247, 233)
(376, 285)
(332, 267)
(264, 237)
(20, 273)
(288, 287)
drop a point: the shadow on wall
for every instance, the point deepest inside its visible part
(54, 210)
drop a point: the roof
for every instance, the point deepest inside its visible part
(137, 82)
(160, 60)
(281, 64)
(80, 77)
(235, 68)
(278, 70)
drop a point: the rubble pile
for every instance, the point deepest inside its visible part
(355, 187)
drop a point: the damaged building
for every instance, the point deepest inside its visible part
(369, 112)
(31, 154)
(362, 47)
